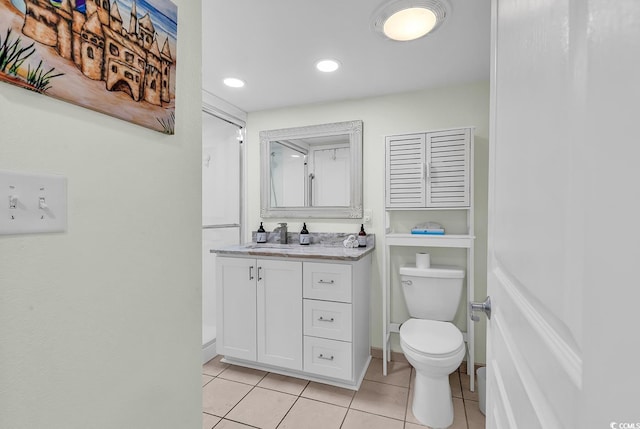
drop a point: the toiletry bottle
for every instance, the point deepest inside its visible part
(261, 235)
(304, 234)
(362, 237)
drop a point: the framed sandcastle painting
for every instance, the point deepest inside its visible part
(116, 57)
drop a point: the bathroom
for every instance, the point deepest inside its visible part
(101, 325)
(449, 107)
(465, 104)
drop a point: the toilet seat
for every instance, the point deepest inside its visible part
(431, 338)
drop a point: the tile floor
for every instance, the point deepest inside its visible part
(235, 397)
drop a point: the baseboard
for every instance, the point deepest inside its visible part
(399, 357)
(395, 356)
(208, 351)
(463, 366)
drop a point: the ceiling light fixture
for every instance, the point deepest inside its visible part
(233, 82)
(404, 20)
(328, 65)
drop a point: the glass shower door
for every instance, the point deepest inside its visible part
(221, 209)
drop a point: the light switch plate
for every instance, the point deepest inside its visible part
(368, 214)
(32, 203)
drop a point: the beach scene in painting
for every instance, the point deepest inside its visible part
(116, 57)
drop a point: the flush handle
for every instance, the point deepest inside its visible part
(480, 306)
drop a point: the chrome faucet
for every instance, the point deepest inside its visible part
(283, 232)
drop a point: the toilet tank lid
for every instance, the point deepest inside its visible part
(440, 271)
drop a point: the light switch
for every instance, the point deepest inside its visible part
(33, 203)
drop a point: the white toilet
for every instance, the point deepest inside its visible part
(430, 342)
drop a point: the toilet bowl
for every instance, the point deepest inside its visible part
(435, 349)
(430, 342)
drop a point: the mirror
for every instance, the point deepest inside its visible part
(312, 172)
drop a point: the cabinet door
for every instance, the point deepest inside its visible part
(236, 307)
(280, 313)
(405, 172)
(447, 169)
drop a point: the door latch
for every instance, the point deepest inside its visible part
(480, 306)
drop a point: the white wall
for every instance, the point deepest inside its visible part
(400, 113)
(100, 326)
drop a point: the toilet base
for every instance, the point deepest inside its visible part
(432, 403)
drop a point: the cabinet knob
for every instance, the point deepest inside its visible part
(322, 319)
(325, 282)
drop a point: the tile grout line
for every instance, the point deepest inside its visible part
(406, 408)
(292, 405)
(347, 408)
(241, 399)
(236, 421)
(288, 411)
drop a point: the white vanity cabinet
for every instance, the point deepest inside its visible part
(301, 317)
(259, 313)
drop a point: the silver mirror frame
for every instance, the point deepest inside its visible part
(353, 211)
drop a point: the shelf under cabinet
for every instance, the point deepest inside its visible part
(419, 240)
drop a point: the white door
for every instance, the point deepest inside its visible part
(534, 272)
(562, 350)
(332, 183)
(279, 313)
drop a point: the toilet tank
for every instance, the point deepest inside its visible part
(432, 293)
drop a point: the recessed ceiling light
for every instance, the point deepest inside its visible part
(234, 82)
(328, 65)
(405, 20)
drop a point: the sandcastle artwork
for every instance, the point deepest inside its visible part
(113, 56)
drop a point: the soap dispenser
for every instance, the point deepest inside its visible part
(362, 237)
(304, 234)
(261, 235)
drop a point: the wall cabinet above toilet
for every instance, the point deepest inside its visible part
(429, 170)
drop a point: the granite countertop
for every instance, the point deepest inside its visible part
(323, 246)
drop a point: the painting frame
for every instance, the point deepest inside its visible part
(116, 57)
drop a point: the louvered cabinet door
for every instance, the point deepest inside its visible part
(405, 172)
(447, 168)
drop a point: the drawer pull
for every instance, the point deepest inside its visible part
(326, 282)
(322, 319)
(321, 356)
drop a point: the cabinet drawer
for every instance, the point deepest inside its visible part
(327, 319)
(330, 358)
(329, 282)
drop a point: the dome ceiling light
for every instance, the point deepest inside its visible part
(404, 20)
